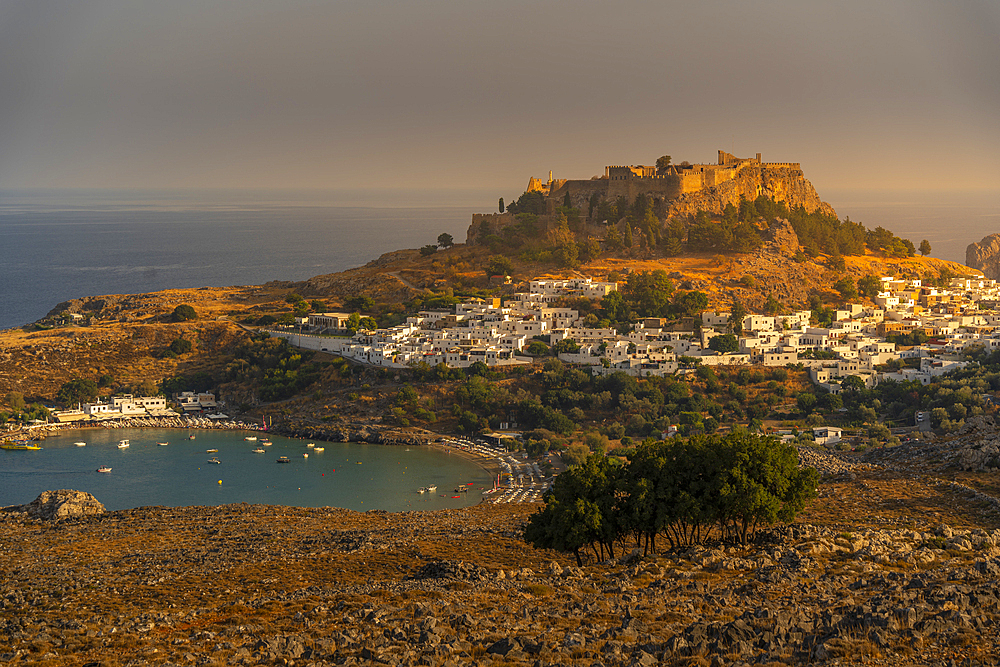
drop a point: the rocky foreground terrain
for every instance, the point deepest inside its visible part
(870, 575)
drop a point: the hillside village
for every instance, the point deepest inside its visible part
(855, 344)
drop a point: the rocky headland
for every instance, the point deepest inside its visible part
(985, 256)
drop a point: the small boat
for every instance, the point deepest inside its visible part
(214, 460)
(163, 444)
(432, 488)
(211, 451)
(266, 443)
(320, 449)
(104, 469)
(305, 455)
(191, 437)
(19, 447)
(422, 489)
(259, 450)
(80, 444)
(251, 438)
(283, 459)
(123, 444)
(311, 445)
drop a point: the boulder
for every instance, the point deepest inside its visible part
(62, 503)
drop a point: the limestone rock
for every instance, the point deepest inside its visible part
(62, 503)
(985, 256)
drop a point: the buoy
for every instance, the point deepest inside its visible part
(220, 481)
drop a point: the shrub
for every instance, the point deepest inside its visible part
(182, 313)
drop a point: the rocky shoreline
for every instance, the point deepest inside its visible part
(252, 584)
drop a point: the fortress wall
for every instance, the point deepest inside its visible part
(495, 222)
(781, 165)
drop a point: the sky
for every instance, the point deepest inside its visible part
(442, 95)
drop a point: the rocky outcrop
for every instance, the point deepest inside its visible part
(59, 504)
(985, 256)
(975, 448)
(780, 184)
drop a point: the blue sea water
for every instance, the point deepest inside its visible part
(59, 245)
(351, 475)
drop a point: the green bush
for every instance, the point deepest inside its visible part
(182, 313)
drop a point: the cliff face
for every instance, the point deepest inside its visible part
(780, 184)
(985, 256)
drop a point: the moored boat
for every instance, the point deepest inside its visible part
(251, 438)
(191, 437)
(259, 450)
(80, 444)
(18, 446)
(214, 460)
(305, 455)
(104, 469)
(163, 444)
(319, 449)
(422, 490)
(211, 451)
(432, 488)
(311, 445)
(123, 444)
(283, 459)
(266, 443)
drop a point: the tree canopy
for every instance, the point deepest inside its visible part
(685, 490)
(182, 313)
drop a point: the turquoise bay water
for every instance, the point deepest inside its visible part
(351, 475)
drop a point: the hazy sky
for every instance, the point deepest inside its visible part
(483, 94)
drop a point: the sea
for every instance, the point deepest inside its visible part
(61, 244)
(351, 475)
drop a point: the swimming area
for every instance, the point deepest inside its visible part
(355, 476)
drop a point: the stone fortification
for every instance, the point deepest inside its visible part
(985, 256)
(682, 189)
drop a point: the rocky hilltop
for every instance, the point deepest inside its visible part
(789, 186)
(985, 256)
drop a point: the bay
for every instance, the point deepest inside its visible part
(355, 476)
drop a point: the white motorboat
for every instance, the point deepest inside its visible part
(123, 444)
(80, 444)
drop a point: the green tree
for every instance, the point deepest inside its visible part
(724, 343)
(736, 315)
(690, 304)
(180, 346)
(77, 390)
(869, 286)
(15, 401)
(500, 204)
(183, 313)
(359, 303)
(446, 240)
(428, 249)
(498, 265)
(772, 306)
(662, 163)
(925, 247)
(845, 285)
(760, 484)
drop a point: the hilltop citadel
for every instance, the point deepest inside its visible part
(675, 190)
